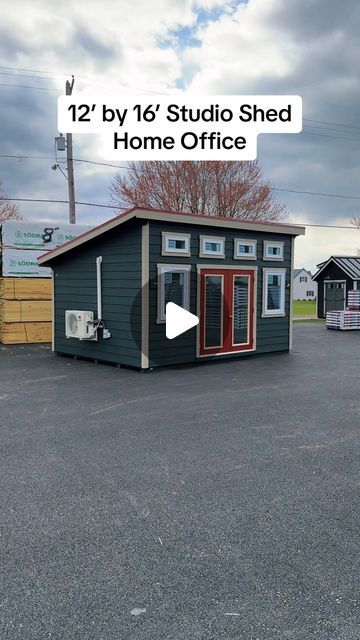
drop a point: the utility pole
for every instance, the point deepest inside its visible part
(70, 164)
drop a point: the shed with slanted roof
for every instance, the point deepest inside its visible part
(235, 275)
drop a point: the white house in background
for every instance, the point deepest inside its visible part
(304, 288)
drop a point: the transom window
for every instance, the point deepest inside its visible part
(244, 249)
(174, 244)
(212, 247)
(274, 292)
(273, 250)
(173, 286)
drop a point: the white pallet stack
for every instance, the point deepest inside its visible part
(346, 320)
(343, 320)
(354, 300)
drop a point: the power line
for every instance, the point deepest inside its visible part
(24, 75)
(317, 193)
(325, 226)
(336, 124)
(352, 132)
(108, 206)
(308, 133)
(87, 204)
(58, 73)
(326, 135)
(24, 86)
(90, 81)
(104, 164)
(78, 76)
(22, 157)
(54, 73)
(298, 191)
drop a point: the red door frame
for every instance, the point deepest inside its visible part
(227, 310)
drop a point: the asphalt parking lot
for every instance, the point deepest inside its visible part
(196, 503)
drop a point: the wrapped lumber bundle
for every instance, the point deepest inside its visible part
(25, 287)
(25, 310)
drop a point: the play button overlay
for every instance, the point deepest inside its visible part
(178, 320)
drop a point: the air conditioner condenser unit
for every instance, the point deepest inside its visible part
(80, 325)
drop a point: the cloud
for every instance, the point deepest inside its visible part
(240, 49)
(305, 47)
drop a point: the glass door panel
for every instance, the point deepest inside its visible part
(213, 311)
(240, 310)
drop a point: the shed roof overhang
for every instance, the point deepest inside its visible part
(143, 213)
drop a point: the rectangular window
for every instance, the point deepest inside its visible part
(273, 250)
(274, 292)
(303, 279)
(309, 293)
(175, 244)
(173, 286)
(212, 247)
(244, 249)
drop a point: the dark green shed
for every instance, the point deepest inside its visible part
(236, 276)
(336, 277)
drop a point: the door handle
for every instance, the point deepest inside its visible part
(230, 316)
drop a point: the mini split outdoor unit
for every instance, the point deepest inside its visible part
(80, 325)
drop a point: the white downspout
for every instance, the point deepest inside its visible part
(99, 290)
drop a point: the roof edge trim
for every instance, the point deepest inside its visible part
(170, 216)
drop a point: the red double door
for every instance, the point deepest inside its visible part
(226, 310)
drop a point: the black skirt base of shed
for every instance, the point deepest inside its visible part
(190, 363)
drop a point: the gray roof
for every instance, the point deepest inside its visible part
(348, 264)
(297, 271)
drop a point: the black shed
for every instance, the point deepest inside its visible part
(335, 277)
(112, 284)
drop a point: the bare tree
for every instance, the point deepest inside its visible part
(226, 189)
(355, 222)
(8, 209)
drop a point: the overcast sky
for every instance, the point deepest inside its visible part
(305, 47)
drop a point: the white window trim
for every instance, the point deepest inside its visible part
(165, 268)
(244, 256)
(279, 313)
(273, 243)
(211, 254)
(167, 235)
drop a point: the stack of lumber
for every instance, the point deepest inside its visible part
(25, 310)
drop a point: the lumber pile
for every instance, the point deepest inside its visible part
(25, 310)
(25, 289)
